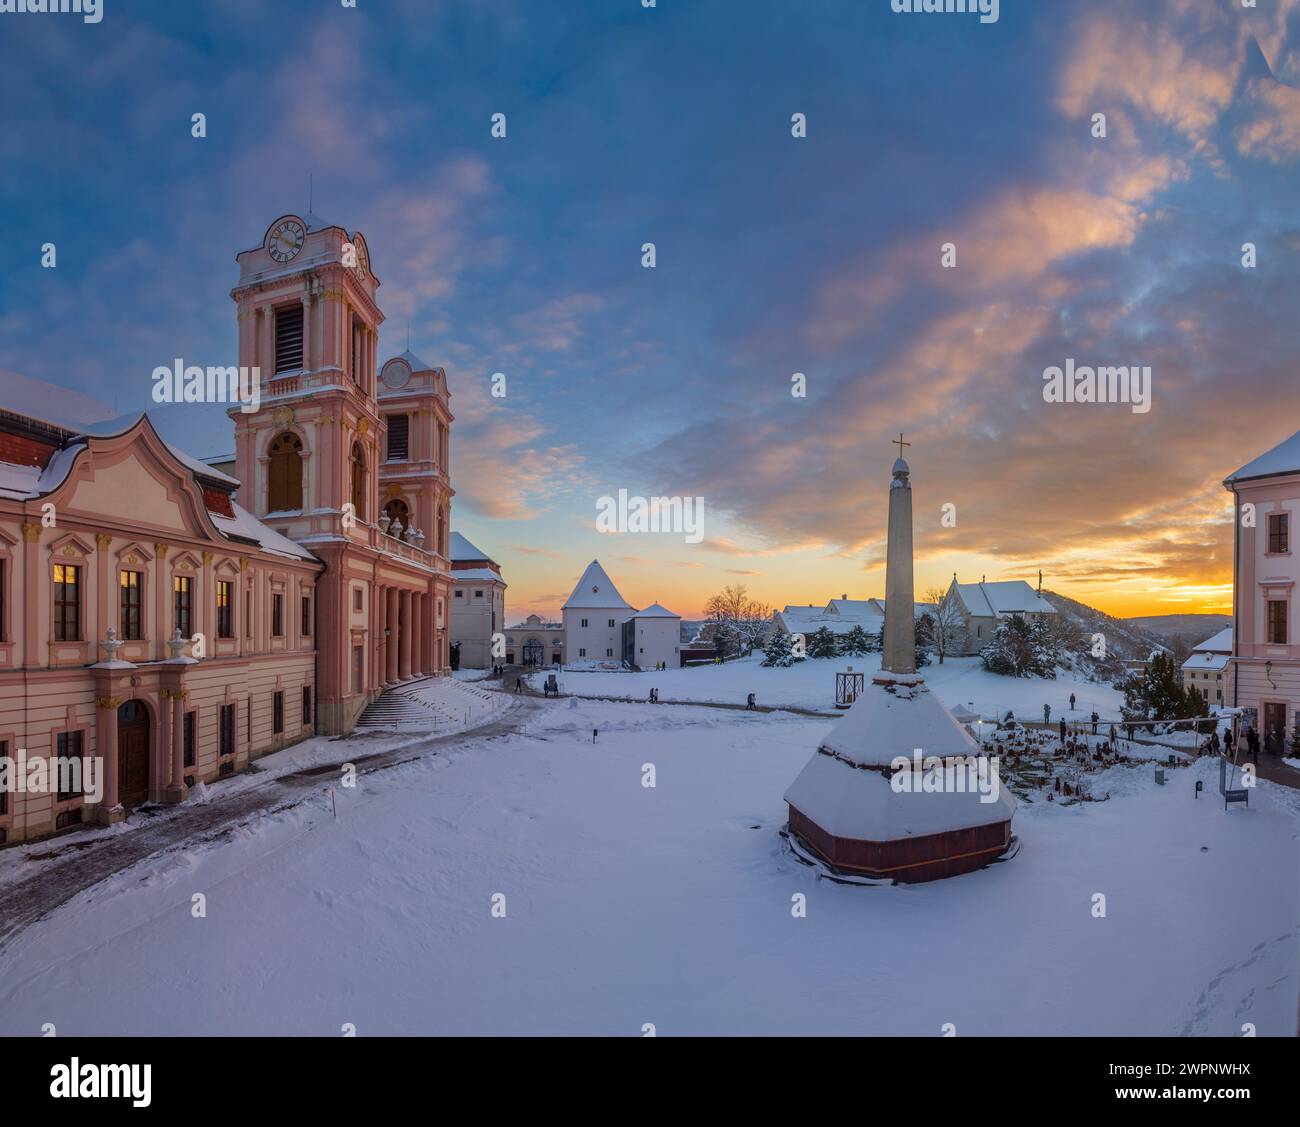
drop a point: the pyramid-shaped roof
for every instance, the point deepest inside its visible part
(462, 549)
(596, 591)
(889, 720)
(1284, 458)
(654, 610)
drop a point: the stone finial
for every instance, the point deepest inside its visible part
(176, 644)
(112, 643)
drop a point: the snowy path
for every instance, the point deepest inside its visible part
(50, 873)
(671, 905)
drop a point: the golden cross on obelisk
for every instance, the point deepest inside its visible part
(899, 443)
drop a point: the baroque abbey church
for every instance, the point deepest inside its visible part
(173, 619)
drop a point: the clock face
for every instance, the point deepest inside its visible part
(285, 240)
(363, 261)
(395, 373)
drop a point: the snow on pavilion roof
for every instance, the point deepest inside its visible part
(596, 591)
(886, 722)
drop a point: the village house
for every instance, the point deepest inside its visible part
(981, 607)
(478, 603)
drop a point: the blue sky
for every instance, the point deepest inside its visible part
(775, 255)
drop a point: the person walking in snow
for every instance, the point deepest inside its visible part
(1227, 742)
(1095, 719)
(1252, 743)
(749, 703)
(1071, 702)
(1047, 715)
(1062, 731)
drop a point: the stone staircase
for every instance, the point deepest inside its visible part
(432, 704)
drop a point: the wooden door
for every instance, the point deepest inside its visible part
(132, 753)
(1274, 727)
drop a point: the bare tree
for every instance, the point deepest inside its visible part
(947, 627)
(738, 614)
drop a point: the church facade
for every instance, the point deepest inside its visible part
(171, 619)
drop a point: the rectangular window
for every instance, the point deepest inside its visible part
(288, 338)
(277, 615)
(129, 587)
(356, 599)
(182, 589)
(582, 653)
(306, 706)
(225, 608)
(67, 603)
(188, 739)
(1277, 621)
(399, 433)
(611, 622)
(226, 729)
(277, 713)
(584, 622)
(1279, 532)
(69, 746)
(306, 616)
(460, 594)
(478, 594)
(609, 653)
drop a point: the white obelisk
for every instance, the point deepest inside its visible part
(898, 648)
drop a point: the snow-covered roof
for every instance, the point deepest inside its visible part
(596, 591)
(861, 805)
(475, 573)
(1216, 643)
(462, 549)
(246, 525)
(993, 600)
(654, 610)
(888, 721)
(1206, 663)
(22, 483)
(808, 620)
(1284, 458)
(851, 606)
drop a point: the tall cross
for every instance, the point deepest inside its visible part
(899, 443)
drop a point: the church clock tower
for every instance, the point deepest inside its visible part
(310, 458)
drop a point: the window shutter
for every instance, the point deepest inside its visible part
(288, 338)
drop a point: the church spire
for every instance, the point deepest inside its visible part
(898, 651)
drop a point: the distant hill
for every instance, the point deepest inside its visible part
(1170, 626)
(1125, 638)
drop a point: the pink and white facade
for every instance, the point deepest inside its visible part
(1264, 670)
(121, 532)
(175, 619)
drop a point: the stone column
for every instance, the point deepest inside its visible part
(390, 641)
(159, 773)
(404, 651)
(417, 634)
(306, 332)
(899, 648)
(109, 809)
(178, 741)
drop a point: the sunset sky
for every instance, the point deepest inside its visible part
(776, 255)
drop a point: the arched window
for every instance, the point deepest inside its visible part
(284, 483)
(358, 481)
(397, 509)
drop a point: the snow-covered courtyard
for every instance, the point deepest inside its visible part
(627, 905)
(959, 681)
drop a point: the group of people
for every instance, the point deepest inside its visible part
(1250, 738)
